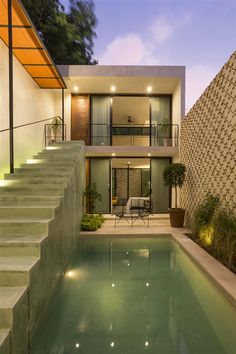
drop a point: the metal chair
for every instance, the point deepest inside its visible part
(119, 210)
(140, 209)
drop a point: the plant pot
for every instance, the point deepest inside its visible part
(177, 217)
(167, 142)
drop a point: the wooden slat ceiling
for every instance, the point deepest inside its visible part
(28, 47)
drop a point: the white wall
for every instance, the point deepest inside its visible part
(30, 105)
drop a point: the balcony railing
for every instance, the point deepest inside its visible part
(134, 134)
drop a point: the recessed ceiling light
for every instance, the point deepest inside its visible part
(149, 89)
(113, 154)
(113, 88)
(149, 154)
(76, 88)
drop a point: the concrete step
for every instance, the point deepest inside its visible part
(32, 190)
(58, 155)
(45, 162)
(28, 226)
(42, 201)
(19, 212)
(49, 171)
(48, 165)
(5, 341)
(16, 271)
(13, 179)
(14, 315)
(21, 245)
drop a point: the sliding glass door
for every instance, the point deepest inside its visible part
(100, 181)
(160, 193)
(100, 123)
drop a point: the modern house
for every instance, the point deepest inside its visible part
(129, 118)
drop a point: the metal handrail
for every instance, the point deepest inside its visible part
(25, 125)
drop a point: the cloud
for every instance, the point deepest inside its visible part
(197, 79)
(129, 49)
(162, 29)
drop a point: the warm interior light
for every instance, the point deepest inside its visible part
(33, 161)
(5, 183)
(113, 88)
(52, 148)
(113, 154)
(70, 274)
(149, 89)
(76, 88)
(149, 154)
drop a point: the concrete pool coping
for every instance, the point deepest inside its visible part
(221, 277)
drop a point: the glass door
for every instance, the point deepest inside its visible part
(101, 116)
(160, 192)
(100, 181)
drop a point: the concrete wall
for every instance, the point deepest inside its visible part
(30, 105)
(208, 143)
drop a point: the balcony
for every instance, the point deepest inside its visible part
(134, 135)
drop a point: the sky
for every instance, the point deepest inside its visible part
(199, 34)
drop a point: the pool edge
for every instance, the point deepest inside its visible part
(219, 275)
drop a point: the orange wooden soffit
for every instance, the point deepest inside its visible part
(28, 48)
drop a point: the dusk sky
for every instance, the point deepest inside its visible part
(200, 34)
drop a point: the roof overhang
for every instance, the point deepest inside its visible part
(99, 79)
(28, 48)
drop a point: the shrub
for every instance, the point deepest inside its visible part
(204, 213)
(91, 222)
(224, 239)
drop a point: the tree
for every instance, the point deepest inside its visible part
(68, 37)
(174, 176)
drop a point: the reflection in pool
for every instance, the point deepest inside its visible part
(133, 296)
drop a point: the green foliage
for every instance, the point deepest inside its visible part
(224, 239)
(174, 176)
(204, 212)
(91, 196)
(68, 37)
(91, 222)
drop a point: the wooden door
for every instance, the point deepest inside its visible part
(80, 118)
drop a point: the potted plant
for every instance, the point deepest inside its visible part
(165, 132)
(91, 196)
(56, 128)
(174, 176)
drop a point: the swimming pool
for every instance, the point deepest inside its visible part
(133, 296)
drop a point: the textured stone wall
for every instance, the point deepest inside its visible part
(208, 143)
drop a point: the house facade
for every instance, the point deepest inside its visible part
(129, 118)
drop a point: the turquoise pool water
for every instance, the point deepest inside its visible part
(133, 296)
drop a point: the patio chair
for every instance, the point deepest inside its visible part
(140, 209)
(119, 211)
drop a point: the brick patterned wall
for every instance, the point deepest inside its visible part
(208, 143)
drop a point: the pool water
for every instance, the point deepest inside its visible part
(131, 296)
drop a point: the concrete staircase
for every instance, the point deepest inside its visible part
(40, 210)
